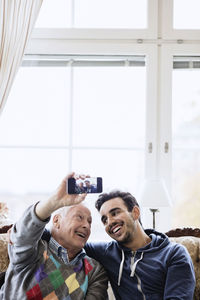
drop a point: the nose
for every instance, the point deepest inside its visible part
(86, 224)
(110, 220)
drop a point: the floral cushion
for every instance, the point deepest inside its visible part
(4, 261)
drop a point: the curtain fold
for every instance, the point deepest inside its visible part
(17, 19)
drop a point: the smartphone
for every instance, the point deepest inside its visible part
(87, 185)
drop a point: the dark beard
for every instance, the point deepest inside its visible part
(127, 239)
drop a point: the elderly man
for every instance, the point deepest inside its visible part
(57, 268)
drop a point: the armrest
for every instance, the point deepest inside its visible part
(184, 232)
(5, 228)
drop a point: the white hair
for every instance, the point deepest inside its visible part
(62, 211)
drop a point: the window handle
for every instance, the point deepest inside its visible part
(166, 147)
(150, 147)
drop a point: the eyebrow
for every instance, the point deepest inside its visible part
(113, 209)
(80, 212)
(103, 218)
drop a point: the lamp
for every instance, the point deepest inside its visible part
(154, 194)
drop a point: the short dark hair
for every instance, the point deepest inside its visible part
(129, 200)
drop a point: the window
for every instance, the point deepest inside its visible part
(186, 140)
(114, 96)
(74, 114)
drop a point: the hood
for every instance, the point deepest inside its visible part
(158, 241)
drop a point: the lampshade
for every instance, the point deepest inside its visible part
(154, 194)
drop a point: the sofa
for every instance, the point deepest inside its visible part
(188, 237)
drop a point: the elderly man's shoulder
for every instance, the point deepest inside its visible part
(91, 265)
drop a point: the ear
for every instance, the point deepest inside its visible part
(136, 212)
(56, 221)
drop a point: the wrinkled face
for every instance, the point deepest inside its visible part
(118, 221)
(74, 228)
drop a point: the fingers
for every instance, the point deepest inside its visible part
(75, 199)
(75, 176)
(81, 197)
(70, 175)
(81, 176)
(63, 189)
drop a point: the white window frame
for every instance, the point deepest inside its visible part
(121, 34)
(169, 32)
(112, 42)
(102, 47)
(168, 52)
(159, 43)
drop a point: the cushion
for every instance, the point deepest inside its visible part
(4, 261)
(192, 244)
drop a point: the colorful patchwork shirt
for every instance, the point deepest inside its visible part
(40, 269)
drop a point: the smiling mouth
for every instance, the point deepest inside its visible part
(116, 229)
(81, 234)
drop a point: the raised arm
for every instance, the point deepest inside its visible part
(26, 233)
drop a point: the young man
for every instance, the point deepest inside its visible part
(89, 188)
(56, 268)
(141, 264)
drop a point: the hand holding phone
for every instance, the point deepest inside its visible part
(86, 185)
(60, 199)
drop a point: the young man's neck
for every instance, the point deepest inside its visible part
(140, 240)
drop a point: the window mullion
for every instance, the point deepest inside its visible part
(151, 151)
(71, 116)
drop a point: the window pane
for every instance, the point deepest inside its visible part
(186, 14)
(186, 147)
(55, 13)
(99, 109)
(109, 109)
(93, 14)
(115, 166)
(31, 170)
(37, 110)
(111, 13)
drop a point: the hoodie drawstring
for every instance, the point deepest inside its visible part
(121, 268)
(133, 267)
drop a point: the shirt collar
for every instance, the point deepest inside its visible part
(61, 252)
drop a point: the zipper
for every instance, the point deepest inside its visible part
(140, 287)
(132, 261)
(133, 267)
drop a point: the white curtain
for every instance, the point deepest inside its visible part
(17, 19)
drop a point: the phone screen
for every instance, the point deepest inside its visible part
(87, 185)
